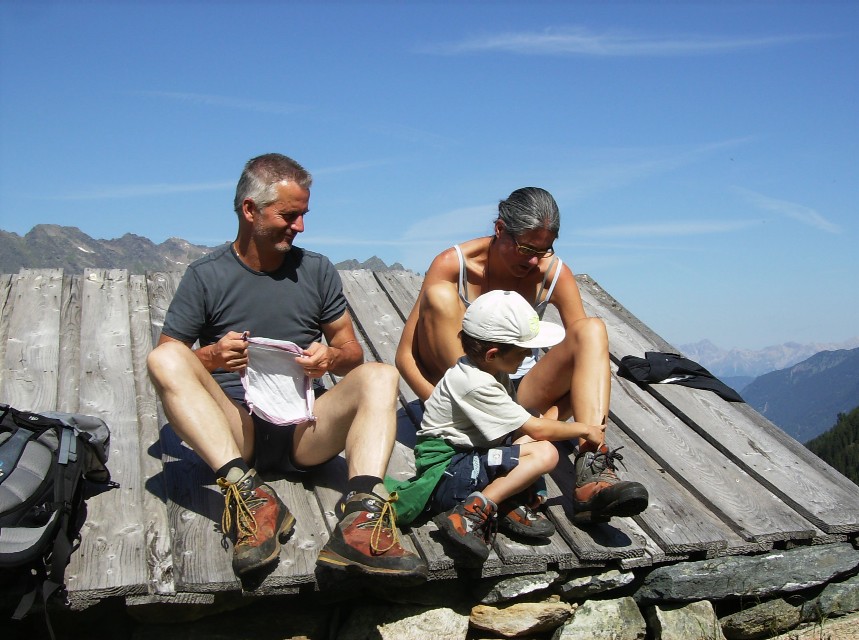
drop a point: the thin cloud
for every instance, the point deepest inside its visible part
(580, 41)
(224, 101)
(666, 229)
(458, 223)
(144, 190)
(798, 212)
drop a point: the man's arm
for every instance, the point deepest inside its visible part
(342, 354)
(229, 353)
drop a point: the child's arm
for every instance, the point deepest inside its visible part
(547, 429)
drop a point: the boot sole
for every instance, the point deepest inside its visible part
(630, 503)
(333, 560)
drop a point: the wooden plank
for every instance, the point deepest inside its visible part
(157, 538)
(110, 560)
(376, 318)
(5, 313)
(613, 540)
(68, 389)
(161, 286)
(201, 554)
(31, 363)
(670, 503)
(732, 494)
(779, 463)
(402, 288)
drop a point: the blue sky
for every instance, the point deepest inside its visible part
(705, 156)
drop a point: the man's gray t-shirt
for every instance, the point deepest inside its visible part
(219, 293)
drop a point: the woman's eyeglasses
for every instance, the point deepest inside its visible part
(525, 250)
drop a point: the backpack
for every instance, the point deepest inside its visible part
(46, 462)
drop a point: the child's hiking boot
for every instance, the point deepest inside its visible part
(367, 539)
(599, 493)
(255, 518)
(520, 519)
(470, 524)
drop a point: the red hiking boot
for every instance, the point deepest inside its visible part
(470, 524)
(254, 518)
(522, 520)
(367, 540)
(599, 493)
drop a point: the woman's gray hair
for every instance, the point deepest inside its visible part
(529, 208)
(262, 175)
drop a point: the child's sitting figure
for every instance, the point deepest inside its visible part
(479, 452)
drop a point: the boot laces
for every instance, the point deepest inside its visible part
(607, 459)
(246, 522)
(385, 523)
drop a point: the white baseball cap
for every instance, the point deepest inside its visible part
(505, 317)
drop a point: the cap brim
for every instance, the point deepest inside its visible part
(550, 334)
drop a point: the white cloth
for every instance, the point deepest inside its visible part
(276, 388)
(471, 408)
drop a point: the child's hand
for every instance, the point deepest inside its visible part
(596, 434)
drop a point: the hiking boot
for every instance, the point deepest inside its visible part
(254, 518)
(599, 494)
(522, 520)
(367, 539)
(470, 524)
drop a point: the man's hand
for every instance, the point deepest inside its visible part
(317, 360)
(229, 353)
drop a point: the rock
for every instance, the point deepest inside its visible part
(521, 619)
(585, 585)
(695, 620)
(617, 619)
(403, 622)
(762, 575)
(838, 598)
(761, 621)
(495, 590)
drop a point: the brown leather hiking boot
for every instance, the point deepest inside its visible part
(470, 524)
(599, 493)
(367, 540)
(520, 519)
(254, 518)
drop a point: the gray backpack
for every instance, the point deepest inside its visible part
(47, 463)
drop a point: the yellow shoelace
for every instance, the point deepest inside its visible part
(246, 523)
(388, 514)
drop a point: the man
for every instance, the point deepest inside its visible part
(262, 285)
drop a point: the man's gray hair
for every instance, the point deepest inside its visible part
(262, 175)
(529, 208)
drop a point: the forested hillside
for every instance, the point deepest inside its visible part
(840, 445)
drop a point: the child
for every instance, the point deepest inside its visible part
(468, 470)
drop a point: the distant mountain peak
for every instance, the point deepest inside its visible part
(50, 246)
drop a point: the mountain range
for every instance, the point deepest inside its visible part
(804, 400)
(49, 246)
(747, 364)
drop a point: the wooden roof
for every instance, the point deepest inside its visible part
(722, 479)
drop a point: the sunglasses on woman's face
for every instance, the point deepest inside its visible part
(531, 252)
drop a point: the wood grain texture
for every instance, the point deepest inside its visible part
(68, 388)
(376, 317)
(111, 558)
(157, 539)
(31, 363)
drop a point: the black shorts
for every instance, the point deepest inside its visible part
(273, 444)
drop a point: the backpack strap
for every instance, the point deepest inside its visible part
(11, 450)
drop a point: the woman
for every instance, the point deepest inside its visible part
(571, 380)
